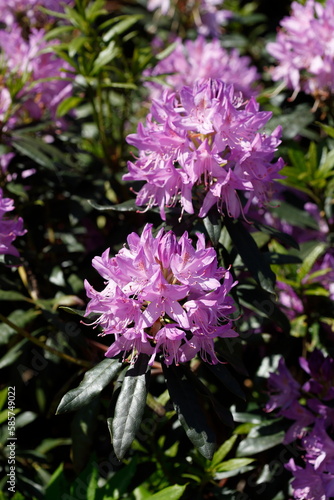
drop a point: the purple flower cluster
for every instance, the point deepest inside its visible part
(162, 295)
(200, 59)
(207, 15)
(205, 137)
(41, 82)
(309, 405)
(304, 48)
(15, 10)
(9, 228)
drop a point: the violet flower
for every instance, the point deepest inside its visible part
(207, 15)
(200, 59)
(164, 296)
(32, 61)
(205, 137)
(283, 388)
(304, 49)
(9, 228)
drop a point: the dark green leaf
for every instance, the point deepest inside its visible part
(189, 410)
(283, 238)
(225, 376)
(92, 384)
(127, 206)
(213, 225)
(121, 479)
(129, 407)
(251, 255)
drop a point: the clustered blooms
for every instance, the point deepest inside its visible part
(207, 15)
(304, 48)
(200, 59)
(16, 10)
(9, 228)
(309, 405)
(204, 136)
(34, 80)
(162, 295)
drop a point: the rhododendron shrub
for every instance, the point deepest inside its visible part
(166, 284)
(163, 296)
(205, 144)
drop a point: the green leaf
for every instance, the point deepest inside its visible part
(225, 376)
(213, 225)
(223, 450)
(170, 493)
(127, 206)
(105, 57)
(92, 384)
(67, 104)
(129, 407)
(283, 238)
(13, 295)
(121, 480)
(189, 411)
(251, 255)
(58, 484)
(253, 445)
(234, 463)
(308, 262)
(123, 23)
(329, 130)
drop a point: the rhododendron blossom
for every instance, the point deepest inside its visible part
(207, 15)
(164, 296)
(10, 228)
(304, 48)
(43, 78)
(205, 137)
(14, 10)
(193, 60)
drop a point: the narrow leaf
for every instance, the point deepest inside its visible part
(170, 493)
(129, 407)
(189, 411)
(223, 450)
(251, 255)
(92, 384)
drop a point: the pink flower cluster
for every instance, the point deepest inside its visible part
(9, 228)
(26, 63)
(207, 15)
(313, 423)
(205, 137)
(200, 59)
(14, 10)
(304, 48)
(164, 296)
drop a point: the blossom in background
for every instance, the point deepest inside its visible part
(9, 228)
(193, 60)
(15, 10)
(162, 295)
(207, 15)
(304, 48)
(313, 423)
(205, 136)
(28, 62)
